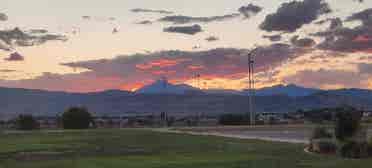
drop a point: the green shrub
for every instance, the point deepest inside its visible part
(26, 122)
(325, 146)
(233, 119)
(354, 150)
(321, 132)
(76, 118)
(370, 147)
(347, 122)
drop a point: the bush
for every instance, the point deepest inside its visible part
(26, 122)
(76, 118)
(347, 122)
(234, 119)
(354, 150)
(325, 146)
(370, 147)
(320, 133)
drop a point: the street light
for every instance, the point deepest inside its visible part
(252, 115)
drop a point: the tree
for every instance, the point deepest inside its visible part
(347, 122)
(76, 118)
(26, 122)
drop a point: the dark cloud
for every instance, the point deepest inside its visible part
(190, 30)
(179, 19)
(145, 22)
(302, 42)
(3, 17)
(358, 39)
(86, 17)
(250, 10)
(115, 30)
(350, 40)
(212, 38)
(273, 38)
(38, 31)
(334, 23)
(16, 37)
(365, 69)
(98, 18)
(364, 16)
(141, 10)
(325, 78)
(15, 57)
(293, 15)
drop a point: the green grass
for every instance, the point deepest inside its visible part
(158, 150)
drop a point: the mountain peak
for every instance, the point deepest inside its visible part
(162, 86)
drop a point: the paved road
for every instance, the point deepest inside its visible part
(292, 134)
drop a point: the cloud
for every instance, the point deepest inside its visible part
(250, 10)
(328, 79)
(7, 70)
(302, 42)
(145, 22)
(273, 38)
(365, 68)
(133, 71)
(364, 16)
(98, 18)
(179, 19)
(293, 15)
(190, 30)
(3, 17)
(334, 23)
(350, 40)
(142, 10)
(212, 38)
(16, 37)
(38, 31)
(15, 57)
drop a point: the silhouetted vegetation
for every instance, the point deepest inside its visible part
(76, 118)
(347, 122)
(26, 122)
(234, 119)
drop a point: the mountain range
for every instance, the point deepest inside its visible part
(162, 96)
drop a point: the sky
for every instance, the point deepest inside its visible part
(89, 46)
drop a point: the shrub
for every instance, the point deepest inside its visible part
(354, 150)
(325, 146)
(370, 147)
(233, 119)
(321, 132)
(26, 122)
(347, 122)
(76, 118)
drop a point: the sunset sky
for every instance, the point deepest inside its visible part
(88, 46)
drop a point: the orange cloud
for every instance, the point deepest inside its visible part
(362, 39)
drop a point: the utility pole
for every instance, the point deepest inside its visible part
(251, 87)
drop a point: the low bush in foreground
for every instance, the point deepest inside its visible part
(76, 118)
(234, 119)
(26, 122)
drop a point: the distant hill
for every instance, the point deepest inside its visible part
(288, 90)
(151, 99)
(162, 86)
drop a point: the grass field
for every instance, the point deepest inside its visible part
(147, 149)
